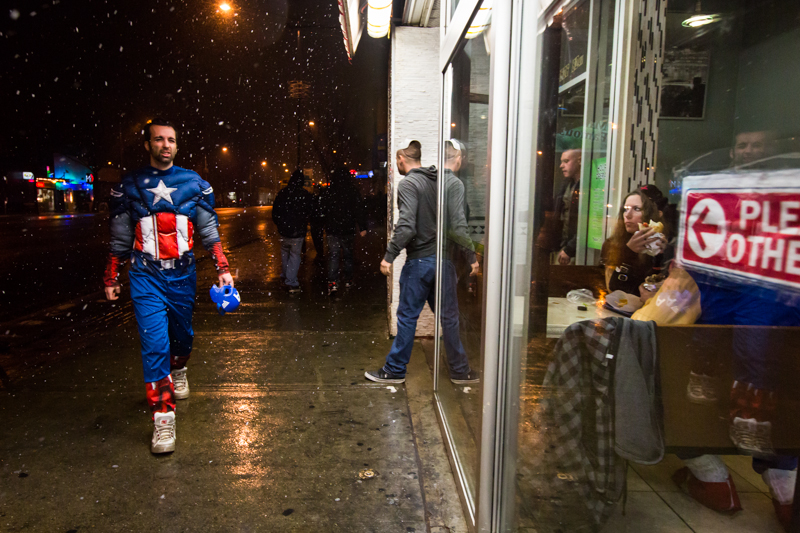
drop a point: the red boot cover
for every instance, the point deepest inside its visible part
(716, 496)
(161, 395)
(176, 363)
(784, 512)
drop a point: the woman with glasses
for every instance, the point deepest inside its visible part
(625, 254)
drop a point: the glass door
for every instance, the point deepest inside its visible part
(464, 178)
(564, 140)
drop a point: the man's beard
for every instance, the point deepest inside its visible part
(163, 158)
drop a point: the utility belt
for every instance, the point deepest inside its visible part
(163, 264)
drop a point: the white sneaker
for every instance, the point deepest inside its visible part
(181, 383)
(163, 433)
(701, 389)
(752, 437)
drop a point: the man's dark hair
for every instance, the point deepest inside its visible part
(413, 152)
(158, 121)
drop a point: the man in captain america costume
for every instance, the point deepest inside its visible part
(156, 212)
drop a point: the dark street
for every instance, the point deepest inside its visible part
(53, 259)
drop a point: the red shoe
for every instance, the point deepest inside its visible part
(720, 497)
(784, 512)
(781, 485)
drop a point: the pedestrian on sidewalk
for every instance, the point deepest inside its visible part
(318, 227)
(155, 213)
(291, 212)
(343, 211)
(416, 232)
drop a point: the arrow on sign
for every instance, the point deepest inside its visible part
(707, 229)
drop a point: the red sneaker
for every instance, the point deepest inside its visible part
(784, 512)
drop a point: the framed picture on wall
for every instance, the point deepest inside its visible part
(684, 83)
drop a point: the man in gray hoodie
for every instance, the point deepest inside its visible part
(416, 232)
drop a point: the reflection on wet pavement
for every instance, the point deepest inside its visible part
(279, 427)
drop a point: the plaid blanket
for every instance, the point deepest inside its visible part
(582, 405)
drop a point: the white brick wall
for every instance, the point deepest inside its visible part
(414, 88)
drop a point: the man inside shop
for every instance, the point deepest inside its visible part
(566, 201)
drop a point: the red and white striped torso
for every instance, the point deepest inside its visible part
(164, 235)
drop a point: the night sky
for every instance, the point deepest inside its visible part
(82, 77)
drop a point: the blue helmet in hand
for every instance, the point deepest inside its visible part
(226, 297)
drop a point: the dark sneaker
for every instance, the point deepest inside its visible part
(384, 377)
(333, 288)
(294, 289)
(471, 377)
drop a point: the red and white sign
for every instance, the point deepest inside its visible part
(743, 227)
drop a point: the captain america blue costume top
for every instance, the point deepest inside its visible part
(155, 215)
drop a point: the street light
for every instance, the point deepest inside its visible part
(224, 148)
(311, 123)
(379, 17)
(263, 163)
(225, 7)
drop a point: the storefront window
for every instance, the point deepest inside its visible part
(464, 179)
(657, 178)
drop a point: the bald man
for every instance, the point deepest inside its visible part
(567, 201)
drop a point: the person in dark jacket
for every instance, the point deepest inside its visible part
(416, 232)
(290, 212)
(567, 200)
(342, 210)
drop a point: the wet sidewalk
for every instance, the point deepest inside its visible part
(281, 432)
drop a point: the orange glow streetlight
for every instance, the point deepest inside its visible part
(263, 163)
(225, 7)
(224, 148)
(311, 123)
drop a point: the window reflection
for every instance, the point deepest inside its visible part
(688, 242)
(464, 180)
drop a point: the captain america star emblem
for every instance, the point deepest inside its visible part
(162, 192)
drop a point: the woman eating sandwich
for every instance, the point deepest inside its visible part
(635, 250)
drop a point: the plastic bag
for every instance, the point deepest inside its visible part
(677, 301)
(581, 296)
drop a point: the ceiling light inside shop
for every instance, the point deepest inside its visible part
(481, 21)
(379, 16)
(700, 20)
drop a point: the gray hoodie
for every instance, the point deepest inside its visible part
(416, 225)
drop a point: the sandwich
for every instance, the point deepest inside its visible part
(658, 226)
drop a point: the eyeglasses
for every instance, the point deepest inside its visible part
(636, 208)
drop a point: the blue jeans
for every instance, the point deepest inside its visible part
(340, 247)
(417, 285)
(290, 259)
